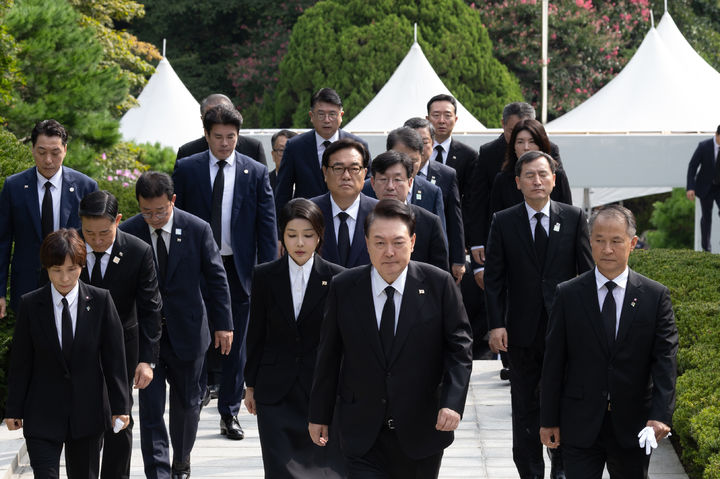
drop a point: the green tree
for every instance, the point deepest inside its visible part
(674, 220)
(355, 45)
(61, 63)
(9, 75)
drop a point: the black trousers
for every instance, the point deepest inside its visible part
(706, 206)
(387, 460)
(82, 457)
(622, 463)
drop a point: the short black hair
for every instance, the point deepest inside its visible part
(417, 123)
(532, 156)
(221, 115)
(302, 208)
(717, 132)
(443, 97)
(49, 128)
(99, 204)
(383, 161)
(389, 209)
(60, 244)
(343, 144)
(154, 184)
(286, 133)
(520, 109)
(326, 95)
(407, 136)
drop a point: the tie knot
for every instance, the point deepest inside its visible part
(326, 143)
(343, 216)
(64, 302)
(539, 216)
(158, 232)
(98, 255)
(610, 286)
(390, 291)
(439, 149)
(48, 185)
(221, 164)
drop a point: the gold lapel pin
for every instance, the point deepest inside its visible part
(324, 283)
(116, 260)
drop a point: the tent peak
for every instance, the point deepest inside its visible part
(415, 33)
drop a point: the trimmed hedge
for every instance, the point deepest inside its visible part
(694, 282)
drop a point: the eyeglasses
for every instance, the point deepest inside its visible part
(157, 214)
(339, 170)
(331, 115)
(394, 181)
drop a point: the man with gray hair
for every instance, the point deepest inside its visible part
(608, 380)
(245, 145)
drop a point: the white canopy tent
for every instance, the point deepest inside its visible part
(168, 113)
(405, 95)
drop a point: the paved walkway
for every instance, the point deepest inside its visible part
(482, 447)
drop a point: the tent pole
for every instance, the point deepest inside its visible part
(586, 202)
(543, 114)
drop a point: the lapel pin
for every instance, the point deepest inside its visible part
(418, 195)
(25, 186)
(72, 189)
(245, 171)
(421, 291)
(87, 308)
(116, 260)
(178, 231)
(324, 283)
(633, 302)
(120, 253)
(179, 240)
(556, 228)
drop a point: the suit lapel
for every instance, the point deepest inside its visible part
(556, 229)
(525, 234)
(118, 251)
(627, 313)
(367, 322)
(318, 174)
(202, 170)
(85, 313)
(589, 300)
(316, 287)
(175, 246)
(358, 242)
(67, 196)
(413, 299)
(241, 186)
(432, 173)
(31, 199)
(330, 248)
(283, 292)
(48, 323)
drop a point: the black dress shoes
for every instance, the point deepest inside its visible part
(230, 427)
(181, 471)
(505, 374)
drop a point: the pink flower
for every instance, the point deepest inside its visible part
(125, 184)
(104, 156)
(110, 178)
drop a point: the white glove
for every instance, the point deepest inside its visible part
(117, 427)
(647, 440)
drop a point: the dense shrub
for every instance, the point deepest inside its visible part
(14, 156)
(674, 219)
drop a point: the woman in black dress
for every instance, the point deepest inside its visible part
(286, 311)
(527, 135)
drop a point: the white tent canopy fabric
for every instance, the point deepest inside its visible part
(405, 95)
(168, 113)
(665, 87)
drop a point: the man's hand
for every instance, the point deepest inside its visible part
(3, 308)
(480, 278)
(478, 255)
(223, 340)
(13, 424)
(250, 401)
(124, 418)
(550, 437)
(458, 270)
(690, 195)
(448, 420)
(143, 375)
(498, 340)
(661, 429)
(318, 433)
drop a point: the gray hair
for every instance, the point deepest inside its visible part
(214, 100)
(618, 212)
(520, 109)
(417, 123)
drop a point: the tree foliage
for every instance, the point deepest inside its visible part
(121, 49)
(354, 46)
(588, 44)
(61, 63)
(9, 74)
(674, 219)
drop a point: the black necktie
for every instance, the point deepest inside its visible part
(46, 219)
(439, 156)
(96, 278)
(162, 256)
(343, 238)
(387, 322)
(541, 239)
(327, 143)
(609, 313)
(217, 200)
(67, 332)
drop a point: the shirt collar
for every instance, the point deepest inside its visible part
(54, 179)
(425, 168)
(445, 144)
(531, 211)
(306, 268)
(89, 249)
(319, 140)
(620, 280)
(213, 160)
(71, 296)
(168, 226)
(352, 210)
(379, 284)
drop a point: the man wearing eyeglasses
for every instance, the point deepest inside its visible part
(278, 141)
(344, 207)
(303, 154)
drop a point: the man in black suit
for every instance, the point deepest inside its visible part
(705, 183)
(277, 142)
(186, 258)
(124, 265)
(609, 372)
(391, 178)
(533, 246)
(344, 207)
(395, 350)
(245, 145)
(301, 175)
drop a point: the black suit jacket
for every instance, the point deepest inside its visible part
(56, 401)
(272, 176)
(463, 159)
(505, 194)
(428, 369)
(280, 349)
(445, 178)
(132, 281)
(580, 369)
(490, 159)
(430, 246)
(245, 145)
(513, 269)
(301, 168)
(703, 158)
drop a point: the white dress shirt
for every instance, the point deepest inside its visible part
(57, 298)
(319, 140)
(166, 234)
(55, 191)
(90, 259)
(379, 295)
(227, 200)
(352, 212)
(446, 150)
(299, 276)
(545, 222)
(618, 293)
(717, 147)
